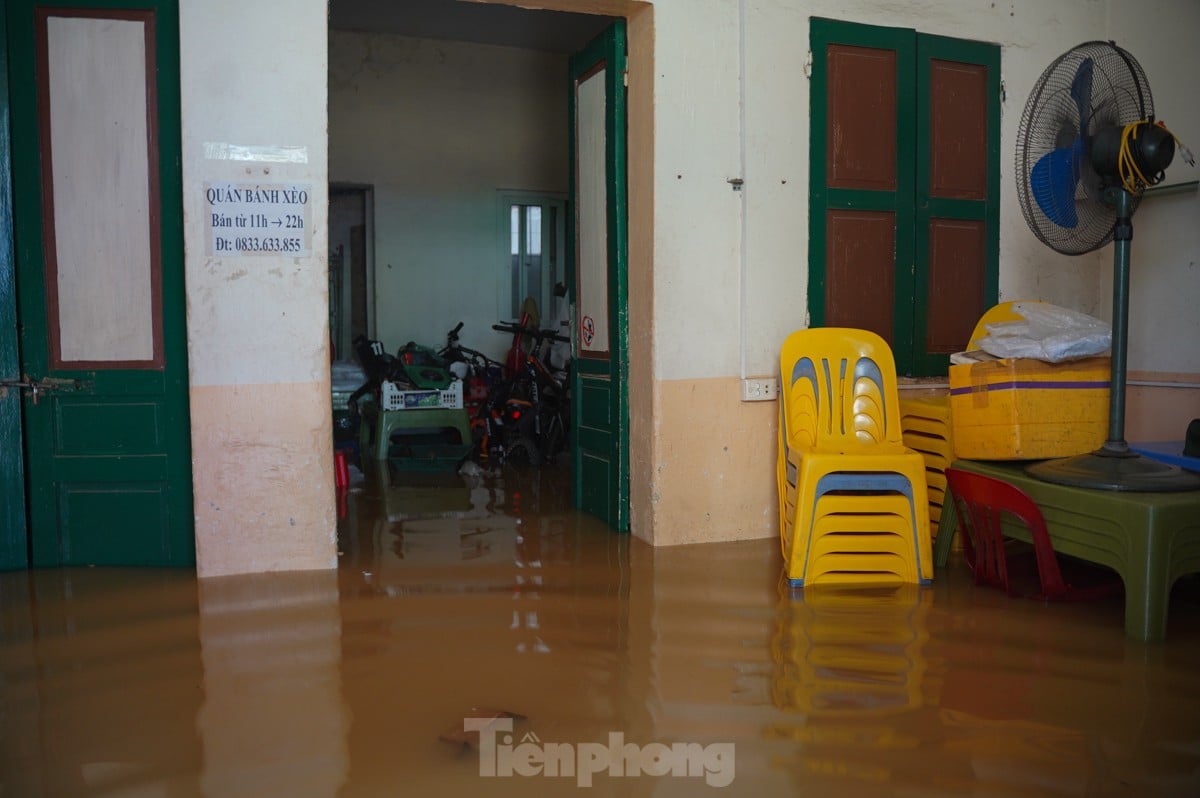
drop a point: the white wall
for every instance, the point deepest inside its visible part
(752, 248)
(1164, 294)
(698, 265)
(438, 128)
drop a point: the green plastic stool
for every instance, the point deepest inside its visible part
(378, 425)
(1150, 539)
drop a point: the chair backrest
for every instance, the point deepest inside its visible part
(980, 503)
(837, 385)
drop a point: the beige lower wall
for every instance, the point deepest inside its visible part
(713, 476)
(262, 475)
(1160, 412)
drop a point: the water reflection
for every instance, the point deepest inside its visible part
(100, 680)
(845, 652)
(273, 717)
(849, 672)
(516, 604)
(1045, 699)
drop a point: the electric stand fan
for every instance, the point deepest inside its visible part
(1087, 147)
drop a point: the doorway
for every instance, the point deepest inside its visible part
(351, 266)
(439, 149)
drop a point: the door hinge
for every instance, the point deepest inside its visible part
(808, 63)
(625, 78)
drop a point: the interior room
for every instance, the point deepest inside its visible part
(390, 614)
(452, 113)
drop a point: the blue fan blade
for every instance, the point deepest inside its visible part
(1053, 182)
(1081, 91)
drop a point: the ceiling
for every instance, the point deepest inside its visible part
(508, 26)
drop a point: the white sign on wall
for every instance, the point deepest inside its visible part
(258, 219)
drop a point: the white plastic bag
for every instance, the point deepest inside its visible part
(1047, 332)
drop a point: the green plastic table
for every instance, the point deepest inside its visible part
(1150, 539)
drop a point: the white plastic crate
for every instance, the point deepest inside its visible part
(395, 399)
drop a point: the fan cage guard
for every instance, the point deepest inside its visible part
(1120, 95)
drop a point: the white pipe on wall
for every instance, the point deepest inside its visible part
(744, 301)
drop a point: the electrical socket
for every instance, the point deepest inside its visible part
(760, 389)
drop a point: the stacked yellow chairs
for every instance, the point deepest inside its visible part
(926, 427)
(853, 505)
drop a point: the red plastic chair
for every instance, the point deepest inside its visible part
(980, 502)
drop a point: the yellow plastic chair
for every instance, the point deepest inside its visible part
(926, 426)
(864, 549)
(840, 436)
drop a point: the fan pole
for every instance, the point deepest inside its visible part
(1122, 235)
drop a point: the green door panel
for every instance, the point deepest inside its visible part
(600, 417)
(13, 540)
(94, 520)
(896, 200)
(95, 428)
(107, 454)
(825, 196)
(596, 405)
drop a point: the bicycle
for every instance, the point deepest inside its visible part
(455, 352)
(538, 395)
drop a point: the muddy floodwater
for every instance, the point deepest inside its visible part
(482, 638)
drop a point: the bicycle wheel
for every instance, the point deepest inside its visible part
(523, 451)
(553, 437)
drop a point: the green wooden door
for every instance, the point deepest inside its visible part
(13, 541)
(600, 421)
(97, 208)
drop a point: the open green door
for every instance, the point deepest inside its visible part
(13, 542)
(600, 421)
(97, 212)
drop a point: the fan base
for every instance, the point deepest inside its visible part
(1105, 469)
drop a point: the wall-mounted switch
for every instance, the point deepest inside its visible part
(760, 389)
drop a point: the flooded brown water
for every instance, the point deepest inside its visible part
(460, 597)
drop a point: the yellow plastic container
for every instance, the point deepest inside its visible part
(1018, 409)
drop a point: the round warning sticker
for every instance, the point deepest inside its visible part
(587, 328)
